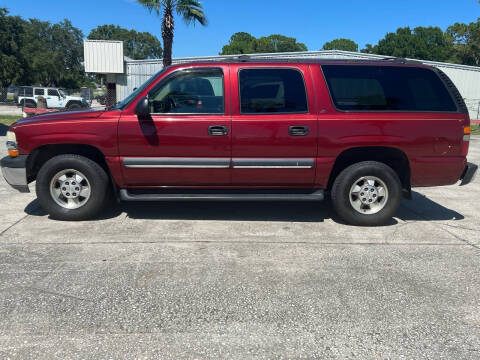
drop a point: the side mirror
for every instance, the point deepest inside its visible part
(143, 108)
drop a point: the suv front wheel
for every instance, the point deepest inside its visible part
(72, 187)
(367, 193)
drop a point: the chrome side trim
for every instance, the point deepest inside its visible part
(177, 163)
(269, 163)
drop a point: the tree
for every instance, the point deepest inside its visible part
(240, 43)
(11, 60)
(427, 43)
(466, 42)
(278, 43)
(244, 43)
(137, 45)
(53, 54)
(341, 44)
(190, 10)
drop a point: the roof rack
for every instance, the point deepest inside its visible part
(400, 60)
(240, 58)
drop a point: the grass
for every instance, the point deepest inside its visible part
(475, 129)
(9, 119)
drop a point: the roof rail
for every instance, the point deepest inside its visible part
(401, 60)
(241, 58)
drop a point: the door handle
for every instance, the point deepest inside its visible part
(217, 130)
(298, 130)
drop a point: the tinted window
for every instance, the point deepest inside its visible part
(40, 92)
(52, 92)
(272, 91)
(191, 92)
(387, 88)
(28, 91)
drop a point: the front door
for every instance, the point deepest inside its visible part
(187, 139)
(53, 99)
(274, 126)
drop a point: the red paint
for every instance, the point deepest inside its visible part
(432, 142)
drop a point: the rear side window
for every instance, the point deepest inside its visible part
(39, 92)
(272, 91)
(386, 88)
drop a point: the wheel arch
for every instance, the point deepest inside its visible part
(40, 155)
(72, 102)
(390, 156)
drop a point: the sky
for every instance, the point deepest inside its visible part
(312, 22)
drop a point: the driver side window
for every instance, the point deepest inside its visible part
(190, 92)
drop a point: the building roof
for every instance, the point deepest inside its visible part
(306, 56)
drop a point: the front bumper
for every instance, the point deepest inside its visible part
(468, 174)
(14, 171)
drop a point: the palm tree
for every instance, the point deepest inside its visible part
(190, 10)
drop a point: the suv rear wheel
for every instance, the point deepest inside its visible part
(367, 193)
(74, 106)
(72, 187)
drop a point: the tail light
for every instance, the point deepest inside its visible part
(466, 140)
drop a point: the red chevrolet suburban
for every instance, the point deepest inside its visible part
(365, 132)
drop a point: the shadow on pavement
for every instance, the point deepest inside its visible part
(420, 208)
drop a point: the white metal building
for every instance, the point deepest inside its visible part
(136, 72)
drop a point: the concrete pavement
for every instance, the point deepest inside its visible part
(242, 280)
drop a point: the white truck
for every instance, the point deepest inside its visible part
(27, 96)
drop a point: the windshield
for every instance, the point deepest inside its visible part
(62, 93)
(123, 104)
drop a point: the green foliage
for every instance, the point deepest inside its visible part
(426, 43)
(54, 53)
(466, 42)
(244, 43)
(341, 44)
(137, 45)
(11, 40)
(36, 52)
(240, 43)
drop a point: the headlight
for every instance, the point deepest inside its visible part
(12, 144)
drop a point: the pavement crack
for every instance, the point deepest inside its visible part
(55, 293)
(429, 220)
(15, 223)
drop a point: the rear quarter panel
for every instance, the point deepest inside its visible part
(431, 141)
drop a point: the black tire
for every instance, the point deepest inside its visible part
(100, 190)
(340, 194)
(30, 104)
(74, 106)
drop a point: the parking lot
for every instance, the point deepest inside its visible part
(242, 280)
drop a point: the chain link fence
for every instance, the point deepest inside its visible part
(7, 95)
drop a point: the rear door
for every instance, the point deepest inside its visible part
(187, 139)
(274, 126)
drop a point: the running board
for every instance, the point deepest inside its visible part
(208, 195)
